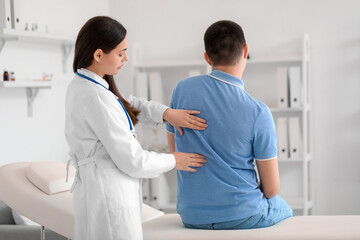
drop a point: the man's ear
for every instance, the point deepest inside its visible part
(98, 54)
(246, 51)
(207, 59)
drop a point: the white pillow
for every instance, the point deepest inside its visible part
(50, 177)
(150, 213)
(21, 220)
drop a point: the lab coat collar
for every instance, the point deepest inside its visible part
(93, 76)
(228, 78)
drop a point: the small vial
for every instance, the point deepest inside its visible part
(12, 76)
(6, 75)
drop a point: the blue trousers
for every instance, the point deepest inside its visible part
(275, 211)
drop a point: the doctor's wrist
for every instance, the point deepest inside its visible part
(166, 115)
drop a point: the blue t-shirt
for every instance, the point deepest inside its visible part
(241, 129)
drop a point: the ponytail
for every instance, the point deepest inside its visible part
(133, 112)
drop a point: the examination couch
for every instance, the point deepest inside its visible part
(52, 207)
(9, 230)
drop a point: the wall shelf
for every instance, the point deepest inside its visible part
(66, 43)
(32, 88)
(285, 110)
(185, 63)
(290, 160)
(27, 84)
(29, 36)
(281, 59)
(170, 63)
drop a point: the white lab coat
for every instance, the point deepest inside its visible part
(110, 161)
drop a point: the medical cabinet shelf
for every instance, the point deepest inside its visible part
(27, 84)
(32, 87)
(12, 34)
(66, 43)
(170, 63)
(161, 192)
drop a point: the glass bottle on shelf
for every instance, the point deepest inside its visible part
(6, 76)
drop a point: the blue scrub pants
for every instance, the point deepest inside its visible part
(275, 211)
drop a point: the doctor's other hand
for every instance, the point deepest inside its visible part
(183, 118)
(184, 161)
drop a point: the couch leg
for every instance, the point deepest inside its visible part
(42, 237)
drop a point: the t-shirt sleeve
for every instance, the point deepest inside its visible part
(264, 143)
(174, 97)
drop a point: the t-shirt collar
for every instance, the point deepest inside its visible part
(228, 78)
(93, 76)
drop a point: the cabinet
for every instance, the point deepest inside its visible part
(262, 79)
(32, 87)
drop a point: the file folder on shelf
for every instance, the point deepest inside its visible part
(142, 85)
(295, 87)
(294, 137)
(156, 88)
(16, 19)
(160, 191)
(282, 87)
(282, 138)
(5, 14)
(146, 190)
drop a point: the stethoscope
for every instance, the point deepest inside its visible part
(127, 114)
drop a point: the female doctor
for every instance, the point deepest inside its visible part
(100, 132)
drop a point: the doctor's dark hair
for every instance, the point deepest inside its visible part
(224, 43)
(102, 33)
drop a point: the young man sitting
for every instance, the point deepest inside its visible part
(225, 193)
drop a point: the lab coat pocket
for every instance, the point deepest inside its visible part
(120, 190)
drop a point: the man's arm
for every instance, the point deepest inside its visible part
(269, 177)
(171, 142)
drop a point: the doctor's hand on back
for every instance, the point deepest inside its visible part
(179, 118)
(183, 118)
(185, 161)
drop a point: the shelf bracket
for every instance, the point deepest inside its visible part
(66, 49)
(2, 43)
(31, 93)
(4, 39)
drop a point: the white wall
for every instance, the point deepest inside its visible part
(41, 137)
(174, 30)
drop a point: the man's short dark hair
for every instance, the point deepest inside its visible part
(224, 43)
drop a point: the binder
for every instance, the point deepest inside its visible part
(294, 137)
(16, 19)
(142, 85)
(156, 88)
(5, 14)
(295, 87)
(282, 138)
(137, 55)
(160, 191)
(282, 87)
(146, 190)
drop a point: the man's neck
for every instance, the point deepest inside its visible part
(235, 70)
